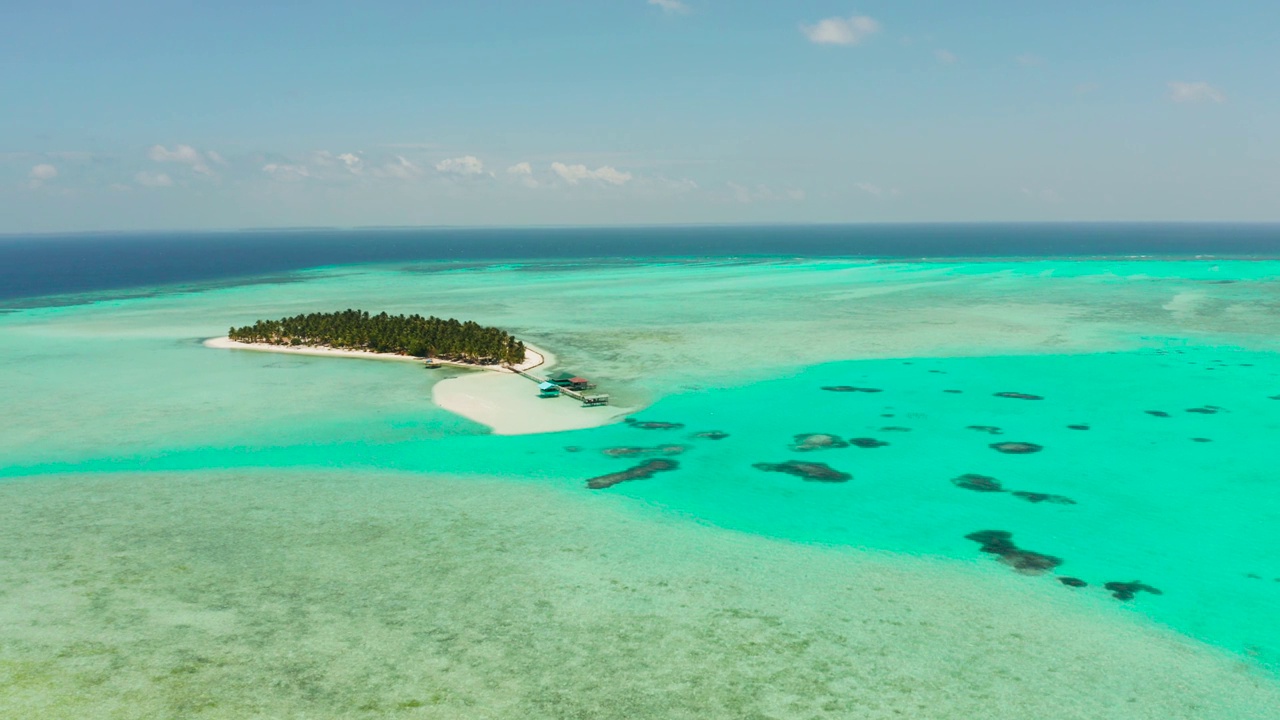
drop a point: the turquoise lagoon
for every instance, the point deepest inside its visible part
(198, 533)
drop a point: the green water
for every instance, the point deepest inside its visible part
(212, 533)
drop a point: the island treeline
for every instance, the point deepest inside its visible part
(400, 334)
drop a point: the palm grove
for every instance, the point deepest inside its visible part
(407, 335)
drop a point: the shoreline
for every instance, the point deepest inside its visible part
(498, 398)
(508, 404)
(533, 357)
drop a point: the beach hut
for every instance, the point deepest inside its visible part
(563, 379)
(579, 383)
(548, 390)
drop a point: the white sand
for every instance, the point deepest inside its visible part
(509, 404)
(499, 398)
(532, 357)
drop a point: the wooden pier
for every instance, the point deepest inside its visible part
(585, 399)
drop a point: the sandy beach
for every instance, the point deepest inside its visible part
(533, 357)
(499, 398)
(509, 405)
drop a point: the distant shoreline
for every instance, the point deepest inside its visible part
(533, 357)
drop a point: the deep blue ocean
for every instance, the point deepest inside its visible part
(32, 266)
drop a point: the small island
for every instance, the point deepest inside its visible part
(450, 340)
(502, 397)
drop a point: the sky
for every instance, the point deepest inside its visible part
(165, 114)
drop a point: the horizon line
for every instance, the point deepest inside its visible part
(635, 226)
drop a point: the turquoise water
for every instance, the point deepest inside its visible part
(1187, 503)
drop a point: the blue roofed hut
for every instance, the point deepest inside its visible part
(548, 390)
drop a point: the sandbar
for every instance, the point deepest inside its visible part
(499, 399)
(509, 405)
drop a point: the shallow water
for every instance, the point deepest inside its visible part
(744, 348)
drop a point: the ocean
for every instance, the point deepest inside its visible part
(56, 264)
(922, 471)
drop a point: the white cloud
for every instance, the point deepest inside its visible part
(871, 189)
(574, 174)
(43, 171)
(877, 191)
(180, 153)
(352, 162)
(41, 174)
(671, 7)
(523, 171)
(1195, 92)
(946, 57)
(286, 171)
(465, 165)
(323, 159)
(324, 166)
(841, 31)
(399, 169)
(215, 157)
(154, 180)
(184, 155)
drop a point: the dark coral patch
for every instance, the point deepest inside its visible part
(992, 540)
(572, 448)
(808, 442)
(810, 471)
(653, 425)
(1029, 562)
(1072, 582)
(1000, 542)
(1016, 448)
(1035, 497)
(1157, 413)
(661, 450)
(1077, 427)
(867, 443)
(711, 435)
(988, 429)
(1018, 396)
(1126, 590)
(977, 483)
(953, 392)
(643, 471)
(895, 428)
(1206, 410)
(1202, 440)
(850, 389)
(1274, 397)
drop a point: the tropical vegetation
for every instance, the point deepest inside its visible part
(414, 335)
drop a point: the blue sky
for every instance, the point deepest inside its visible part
(157, 115)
